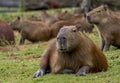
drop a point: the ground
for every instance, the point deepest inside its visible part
(19, 67)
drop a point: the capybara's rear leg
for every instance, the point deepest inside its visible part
(82, 71)
(102, 44)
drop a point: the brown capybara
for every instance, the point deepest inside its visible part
(34, 18)
(72, 51)
(108, 25)
(65, 15)
(32, 30)
(76, 19)
(6, 34)
(48, 19)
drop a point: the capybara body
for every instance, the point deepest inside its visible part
(6, 34)
(32, 30)
(74, 51)
(108, 25)
(48, 19)
(73, 20)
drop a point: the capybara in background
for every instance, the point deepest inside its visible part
(6, 34)
(32, 30)
(48, 19)
(73, 20)
(65, 15)
(34, 18)
(74, 52)
(108, 25)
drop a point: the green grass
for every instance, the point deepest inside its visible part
(20, 67)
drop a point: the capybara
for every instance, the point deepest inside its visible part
(72, 51)
(48, 19)
(73, 20)
(32, 30)
(34, 18)
(108, 25)
(65, 15)
(6, 34)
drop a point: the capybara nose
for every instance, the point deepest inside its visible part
(61, 38)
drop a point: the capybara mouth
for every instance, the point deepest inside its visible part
(62, 50)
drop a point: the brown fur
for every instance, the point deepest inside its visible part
(72, 50)
(32, 30)
(6, 34)
(65, 15)
(76, 19)
(34, 18)
(108, 25)
(48, 19)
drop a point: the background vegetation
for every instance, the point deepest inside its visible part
(18, 67)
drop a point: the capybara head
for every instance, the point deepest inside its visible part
(97, 14)
(14, 23)
(66, 38)
(65, 15)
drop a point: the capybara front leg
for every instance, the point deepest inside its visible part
(102, 44)
(107, 45)
(44, 67)
(82, 71)
(40, 72)
(22, 40)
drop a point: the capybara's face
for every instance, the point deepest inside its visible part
(96, 15)
(67, 39)
(14, 23)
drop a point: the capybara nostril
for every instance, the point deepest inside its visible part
(61, 38)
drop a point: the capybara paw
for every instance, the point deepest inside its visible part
(81, 74)
(38, 73)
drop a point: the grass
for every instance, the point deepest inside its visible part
(20, 67)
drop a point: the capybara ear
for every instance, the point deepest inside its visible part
(18, 17)
(78, 26)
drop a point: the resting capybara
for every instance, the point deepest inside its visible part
(108, 25)
(75, 19)
(48, 19)
(65, 15)
(72, 51)
(32, 30)
(6, 34)
(34, 18)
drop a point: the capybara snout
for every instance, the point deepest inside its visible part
(61, 42)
